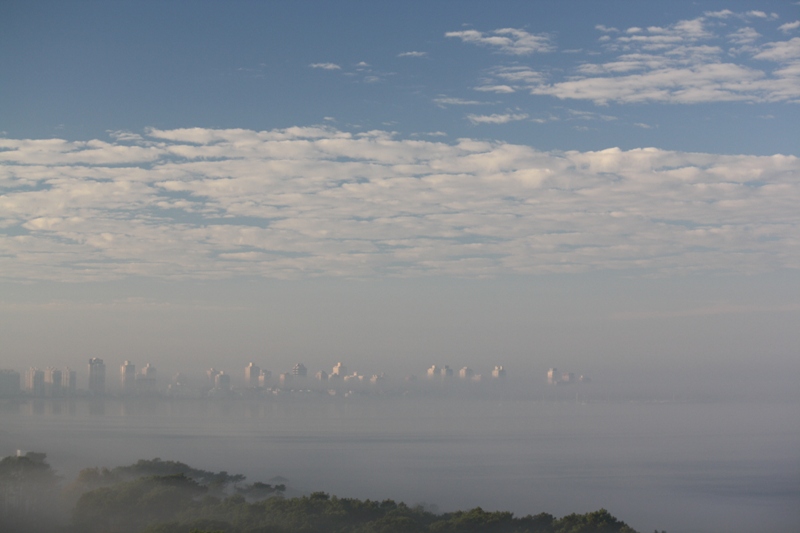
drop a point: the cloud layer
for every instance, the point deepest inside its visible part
(316, 201)
(706, 59)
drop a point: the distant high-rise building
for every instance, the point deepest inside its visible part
(34, 382)
(69, 381)
(52, 381)
(222, 381)
(146, 380)
(568, 377)
(499, 372)
(211, 375)
(552, 376)
(251, 375)
(300, 370)
(339, 370)
(321, 376)
(9, 382)
(97, 376)
(433, 371)
(264, 378)
(447, 372)
(466, 373)
(127, 377)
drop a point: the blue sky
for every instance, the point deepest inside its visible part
(184, 156)
(76, 70)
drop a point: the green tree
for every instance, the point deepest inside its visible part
(29, 490)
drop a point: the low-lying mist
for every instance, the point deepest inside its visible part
(677, 464)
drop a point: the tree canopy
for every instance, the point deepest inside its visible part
(156, 496)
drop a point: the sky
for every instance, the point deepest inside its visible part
(610, 188)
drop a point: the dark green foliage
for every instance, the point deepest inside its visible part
(132, 505)
(475, 520)
(29, 490)
(597, 522)
(260, 491)
(157, 467)
(94, 478)
(155, 496)
(321, 513)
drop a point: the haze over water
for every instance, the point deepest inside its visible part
(682, 467)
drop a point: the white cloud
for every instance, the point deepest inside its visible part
(316, 201)
(506, 40)
(744, 36)
(588, 115)
(727, 13)
(496, 118)
(789, 26)
(500, 89)
(413, 54)
(781, 51)
(606, 29)
(443, 101)
(326, 66)
(723, 14)
(680, 63)
(516, 76)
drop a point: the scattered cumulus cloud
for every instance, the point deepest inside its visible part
(688, 62)
(576, 114)
(744, 36)
(301, 202)
(789, 26)
(606, 29)
(727, 14)
(444, 101)
(496, 118)
(413, 54)
(326, 66)
(780, 52)
(500, 89)
(506, 40)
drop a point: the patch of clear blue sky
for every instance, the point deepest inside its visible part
(77, 69)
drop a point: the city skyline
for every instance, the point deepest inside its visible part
(56, 382)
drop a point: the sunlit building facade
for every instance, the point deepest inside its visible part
(499, 372)
(127, 377)
(252, 373)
